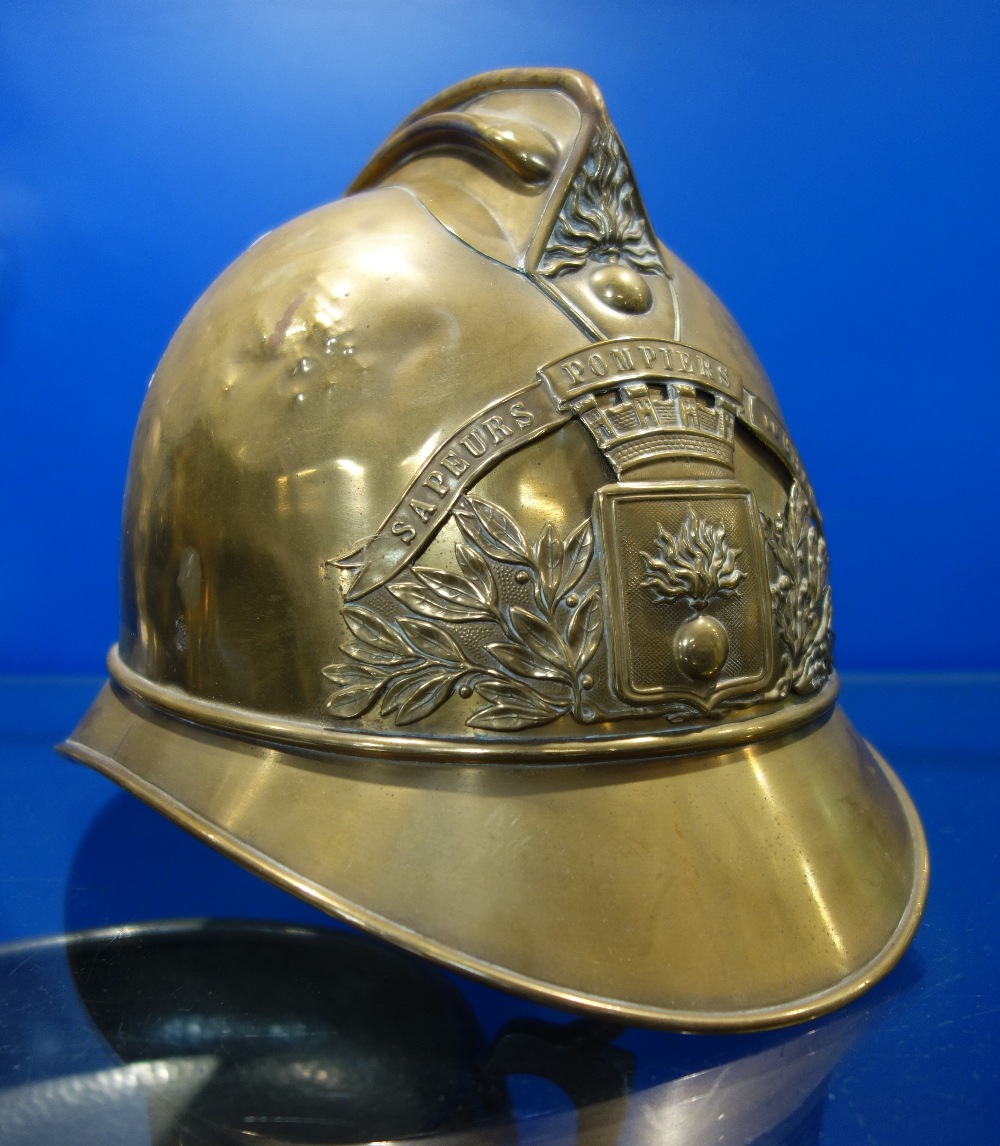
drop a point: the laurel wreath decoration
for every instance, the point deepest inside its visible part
(800, 596)
(696, 565)
(601, 218)
(412, 664)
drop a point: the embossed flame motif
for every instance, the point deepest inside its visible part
(696, 565)
(600, 219)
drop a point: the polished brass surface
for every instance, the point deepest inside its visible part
(710, 892)
(473, 589)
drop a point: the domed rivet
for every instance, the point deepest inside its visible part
(621, 288)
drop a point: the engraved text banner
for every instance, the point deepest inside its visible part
(455, 465)
(527, 414)
(606, 364)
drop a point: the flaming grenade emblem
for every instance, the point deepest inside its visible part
(696, 565)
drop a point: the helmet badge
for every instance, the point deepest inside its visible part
(664, 604)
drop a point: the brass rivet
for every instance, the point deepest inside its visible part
(622, 288)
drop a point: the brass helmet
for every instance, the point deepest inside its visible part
(473, 590)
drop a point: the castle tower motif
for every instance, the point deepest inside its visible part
(639, 422)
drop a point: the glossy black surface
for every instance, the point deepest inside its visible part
(250, 1032)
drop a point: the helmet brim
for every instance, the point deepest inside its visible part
(734, 890)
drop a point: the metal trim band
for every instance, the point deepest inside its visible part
(310, 735)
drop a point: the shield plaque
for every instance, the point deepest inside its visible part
(688, 614)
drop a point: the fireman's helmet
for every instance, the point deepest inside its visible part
(474, 591)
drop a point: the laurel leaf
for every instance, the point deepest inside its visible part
(374, 630)
(477, 572)
(504, 718)
(431, 640)
(449, 587)
(352, 674)
(423, 600)
(371, 655)
(512, 705)
(500, 528)
(395, 692)
(476, 535)
(354, 699)
(578, 549)
(520, 659)
(427, 692)
(548, 552)
(540, 636)
(800, 593)
(584, 631)
(513, 693)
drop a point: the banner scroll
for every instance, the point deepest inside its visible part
(538, 409)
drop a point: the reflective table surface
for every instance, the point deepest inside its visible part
(153, 992)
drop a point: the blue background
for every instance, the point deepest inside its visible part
(830, 169)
